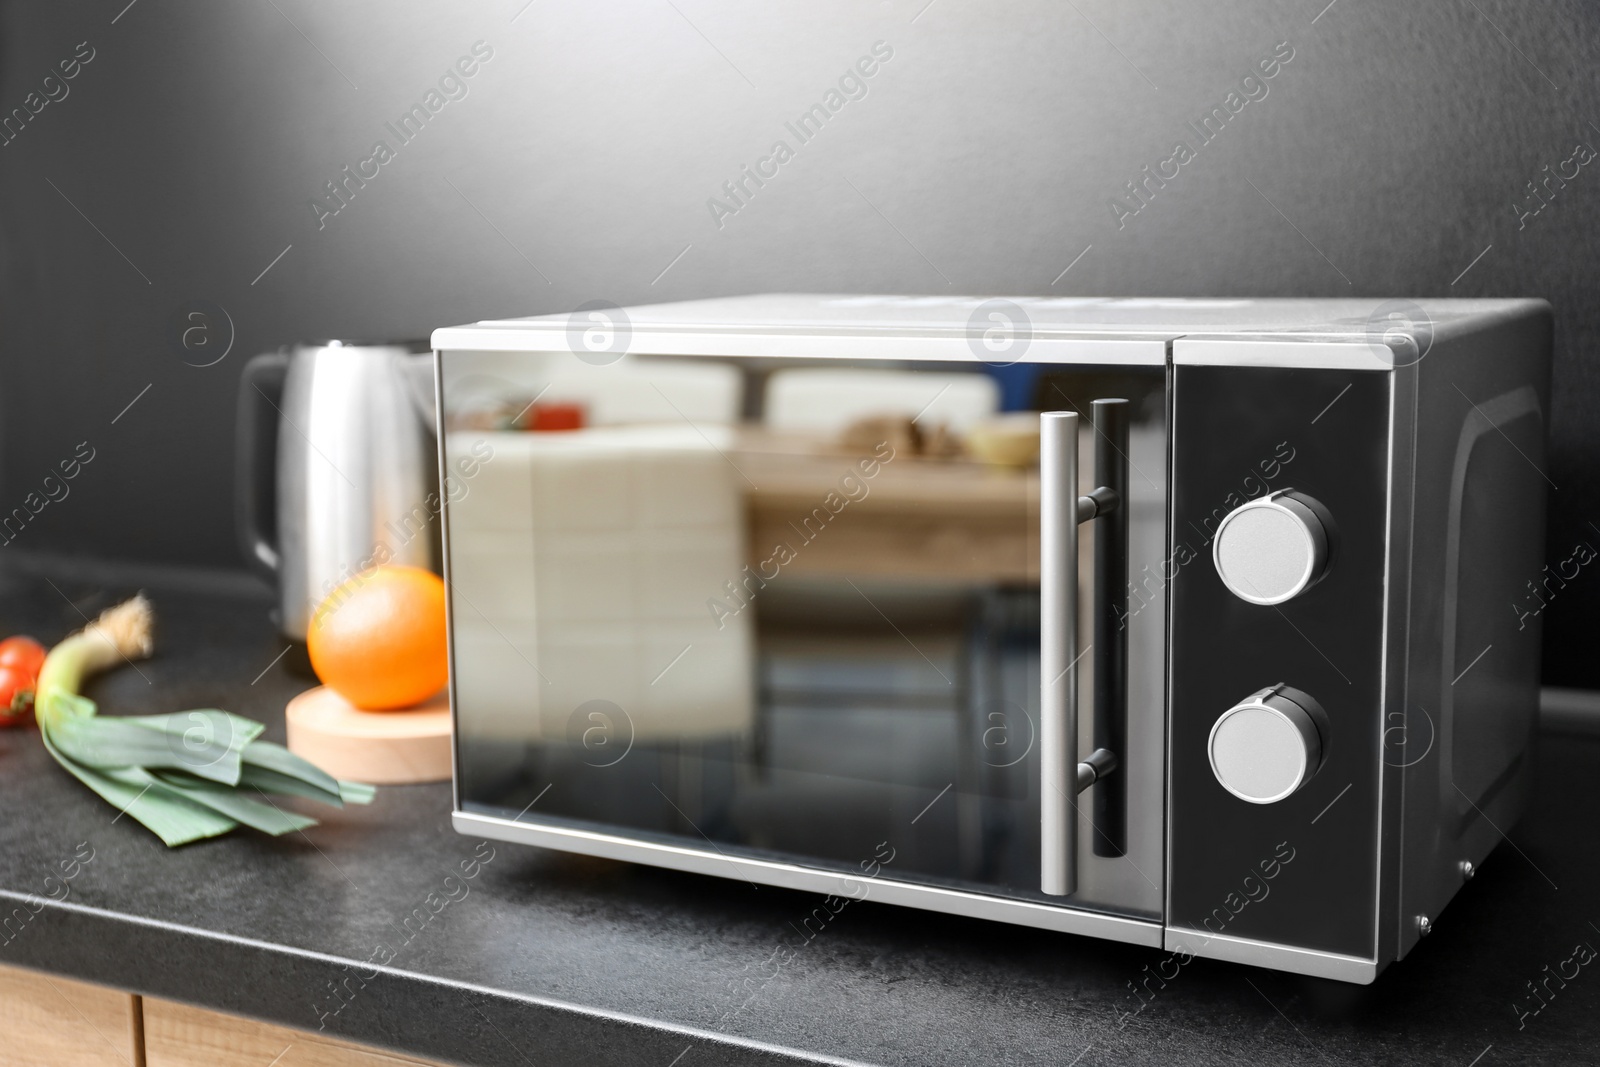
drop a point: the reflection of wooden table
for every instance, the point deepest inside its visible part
(927, 518)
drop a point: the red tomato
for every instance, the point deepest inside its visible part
(23, 652)
(16, 694)
(20, 660)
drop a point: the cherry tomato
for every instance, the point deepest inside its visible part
(16, 694)
(23, 652)
(20, 660)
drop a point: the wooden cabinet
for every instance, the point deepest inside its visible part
(46, 1021)
(176, 1035)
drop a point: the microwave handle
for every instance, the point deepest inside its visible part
(1062, 776)
(1109, 813)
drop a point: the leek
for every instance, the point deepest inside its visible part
(185, 776)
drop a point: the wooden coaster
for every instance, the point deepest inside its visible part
(377, 747)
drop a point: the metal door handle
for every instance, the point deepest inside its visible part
(1062, 776)
(1109, 813)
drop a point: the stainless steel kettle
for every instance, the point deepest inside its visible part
(336, 467)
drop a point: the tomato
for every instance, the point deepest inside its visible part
(20, 660)
(23, 652)
(16, 694)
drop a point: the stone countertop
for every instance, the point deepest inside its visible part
(550, 959)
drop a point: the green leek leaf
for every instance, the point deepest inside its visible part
(284, 785)
(356, 792)
(274, 758)
(204, 743)
(172, 818)
(193, 821)
(266, 817)
(272, 768)
(203, 727)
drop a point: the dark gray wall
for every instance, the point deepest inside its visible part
(983, 158)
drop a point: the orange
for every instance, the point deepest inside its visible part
(378, 640)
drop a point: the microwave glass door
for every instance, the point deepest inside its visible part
(782, 609)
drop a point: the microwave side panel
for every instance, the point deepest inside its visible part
(1463, 747)
(501, 608)
(1398, 610)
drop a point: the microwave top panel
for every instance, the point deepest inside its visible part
(1357, 334)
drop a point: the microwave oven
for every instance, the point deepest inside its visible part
(1192, 624)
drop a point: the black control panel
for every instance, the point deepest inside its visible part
(1300, 869)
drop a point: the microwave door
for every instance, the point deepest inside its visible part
(791, 618)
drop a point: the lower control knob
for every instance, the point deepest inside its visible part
(1268, 745)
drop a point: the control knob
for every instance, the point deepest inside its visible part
(1273, 548)
(1264, 748)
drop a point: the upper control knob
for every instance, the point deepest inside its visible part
(1268, 745)
(1273, 548)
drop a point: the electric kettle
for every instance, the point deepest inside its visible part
(336, 467)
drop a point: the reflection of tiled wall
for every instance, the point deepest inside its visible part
(591, 556)
(493, 597)
(630, 390)
(830, 398)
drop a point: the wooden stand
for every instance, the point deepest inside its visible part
(378, 747)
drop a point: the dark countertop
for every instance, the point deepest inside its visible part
(553, 959)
